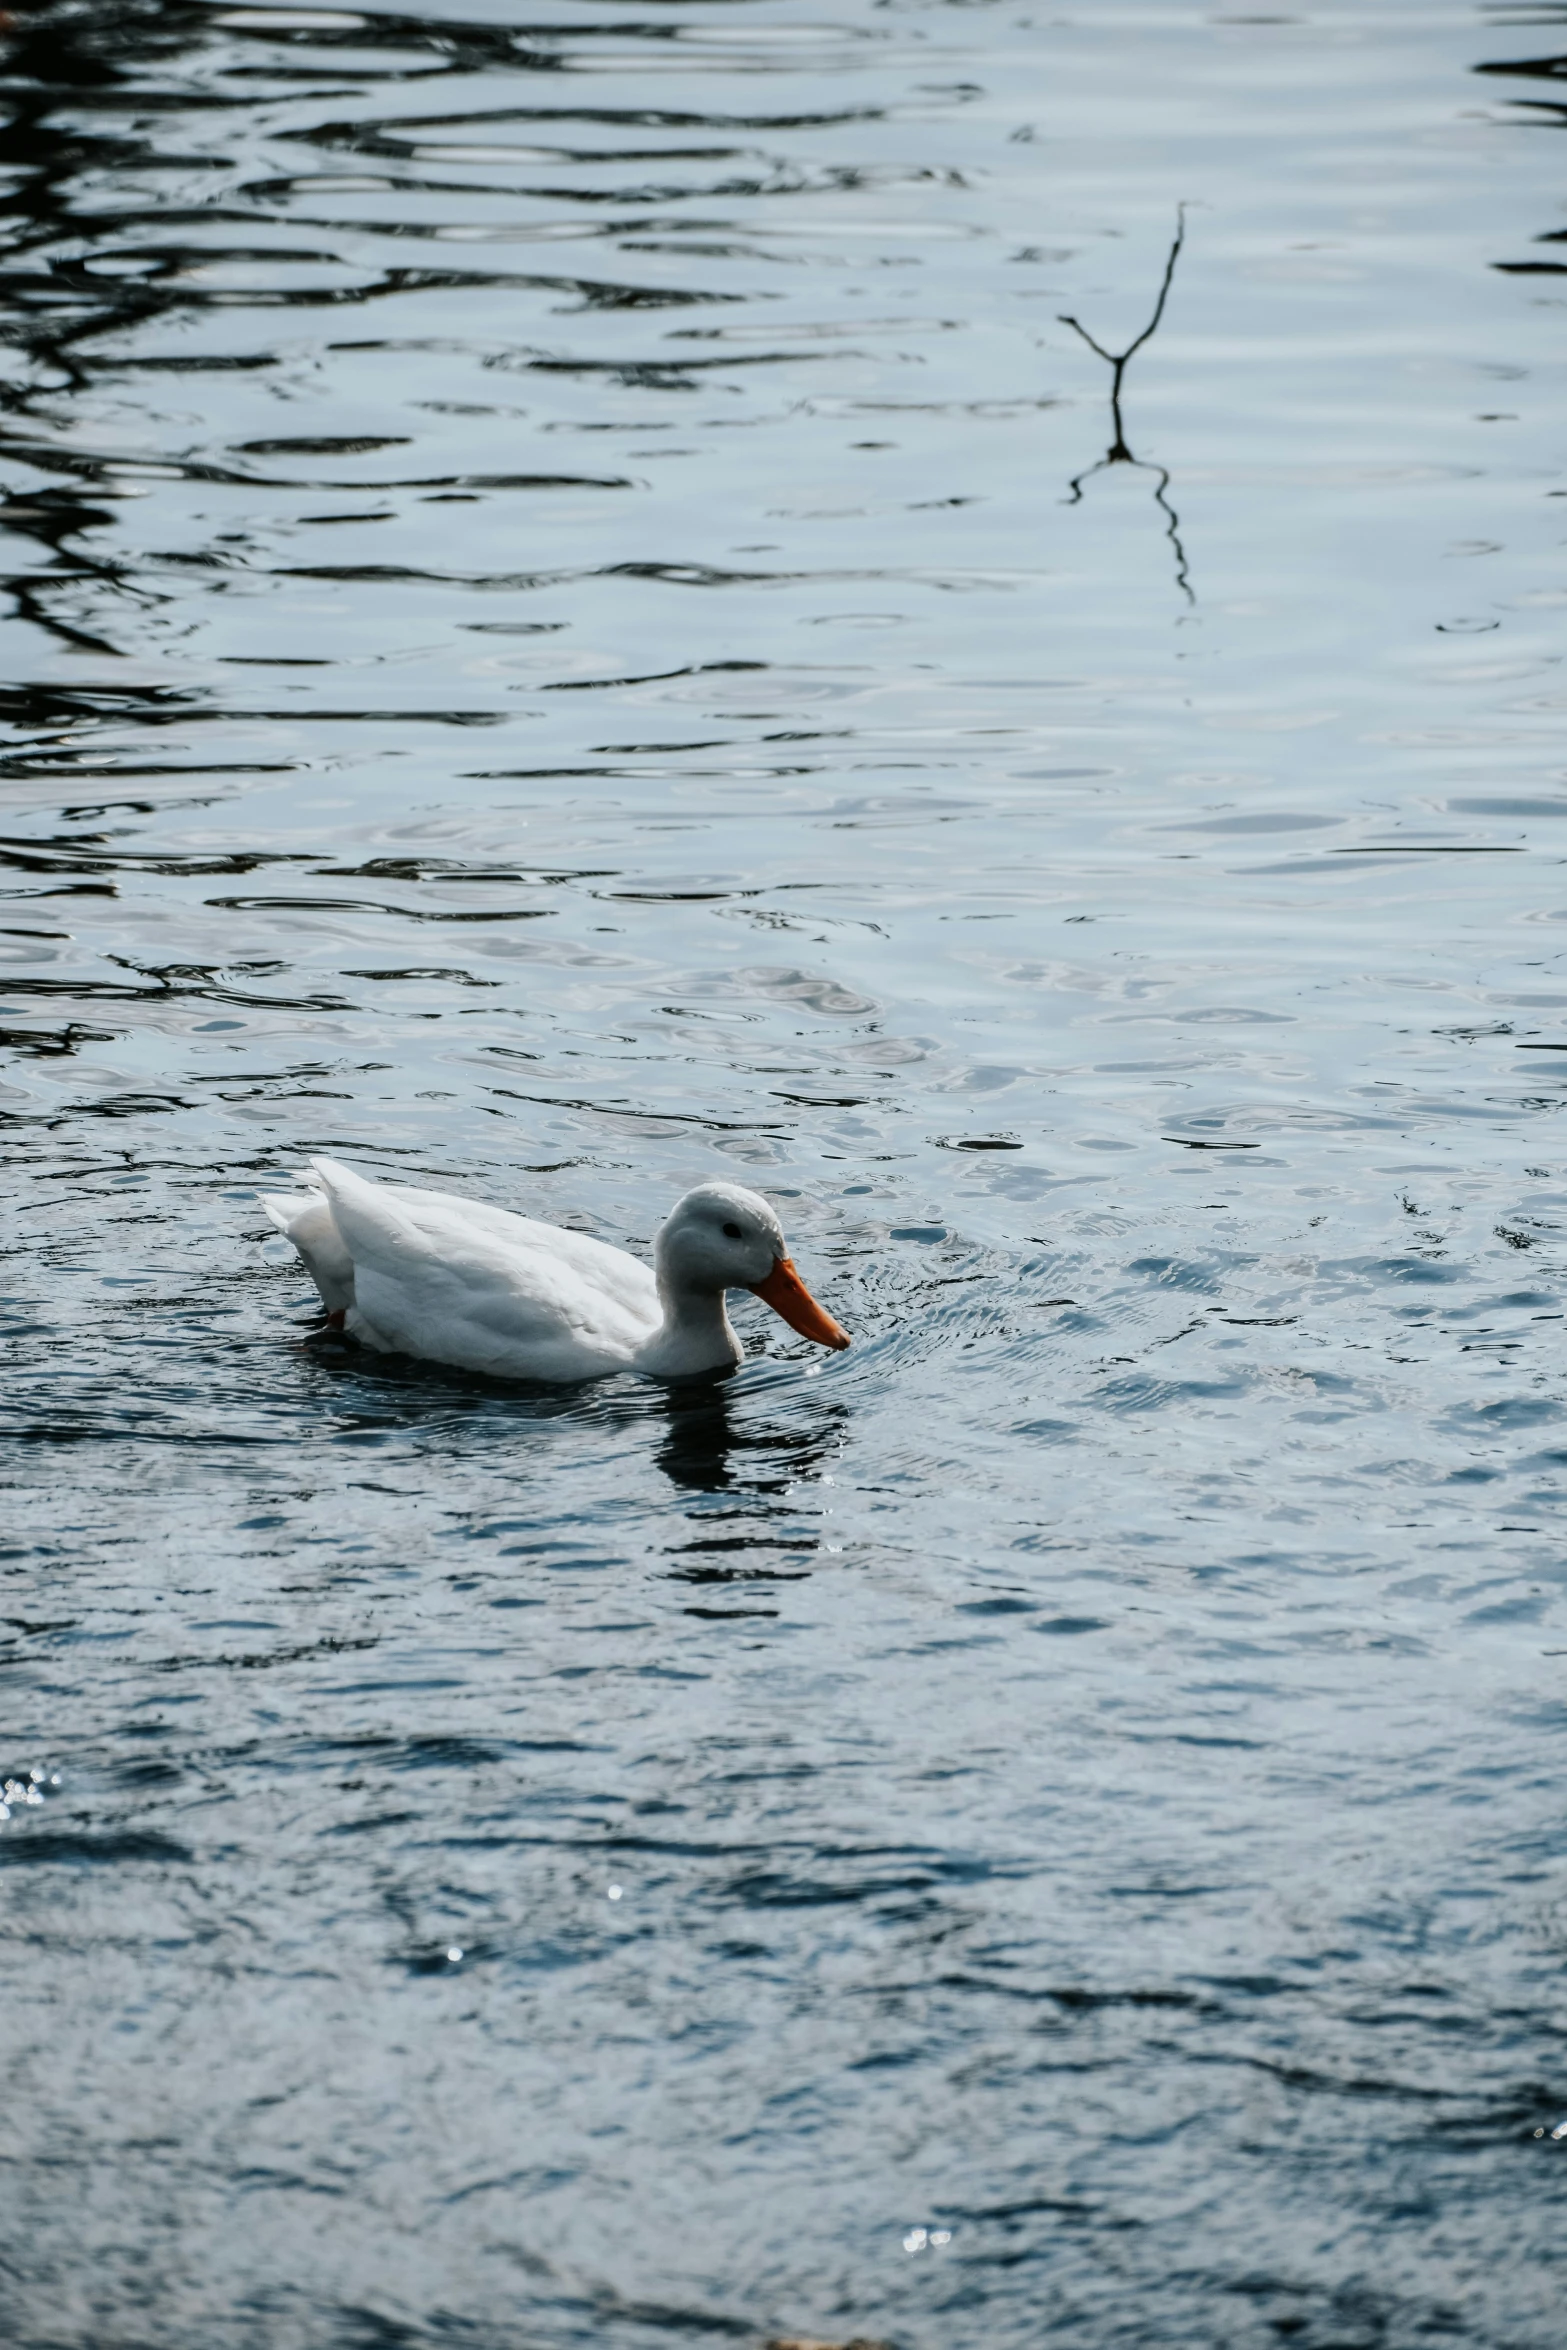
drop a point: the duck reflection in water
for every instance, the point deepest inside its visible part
(712, 1447)
(769, 1527)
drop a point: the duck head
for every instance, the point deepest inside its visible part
(720, 1237)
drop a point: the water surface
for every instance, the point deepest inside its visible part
(567, 633)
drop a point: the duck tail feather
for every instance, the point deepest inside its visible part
(285, 1207)
(308, 1222)
(332, 1177)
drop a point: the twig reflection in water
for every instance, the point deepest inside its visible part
(1118, 453)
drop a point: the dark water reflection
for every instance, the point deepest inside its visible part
(551, 648)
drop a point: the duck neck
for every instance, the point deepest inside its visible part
(696, 1333)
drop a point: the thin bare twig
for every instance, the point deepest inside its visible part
(1118, 452)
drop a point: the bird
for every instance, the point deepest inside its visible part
(415, 1272)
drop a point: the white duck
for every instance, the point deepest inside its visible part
(424, 1273)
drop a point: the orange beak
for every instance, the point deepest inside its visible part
(787, 1294)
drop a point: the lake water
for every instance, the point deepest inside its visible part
(568, 633)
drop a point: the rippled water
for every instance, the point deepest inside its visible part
(553, 649)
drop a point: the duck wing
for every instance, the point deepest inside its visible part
(594, 1261)
(458, 1282)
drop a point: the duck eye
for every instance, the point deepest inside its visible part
(733, 1232)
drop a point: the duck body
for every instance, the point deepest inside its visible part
(408, 1271)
